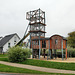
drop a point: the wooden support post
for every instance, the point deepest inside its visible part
(66, 53)
(39, 34)
(41, 51)
(30, 28)
(51, 54)
(44, 53)
(49, 49)
(66, 49)
(32, 49)
(39, 48)
(55, 53)
(62, 50)
(38, 53)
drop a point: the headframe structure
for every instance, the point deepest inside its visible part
(37, 25)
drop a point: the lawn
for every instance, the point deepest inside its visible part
(3, 55)
(47, 64)
(10, 69)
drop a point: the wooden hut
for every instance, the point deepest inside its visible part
(53, 43)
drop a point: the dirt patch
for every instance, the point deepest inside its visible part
(68, 60)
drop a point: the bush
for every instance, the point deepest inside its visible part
(18, 54)
(71, 52)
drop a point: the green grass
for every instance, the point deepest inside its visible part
(4, 59)
(10, 69)
(3, 55)
(47, 64)
(5, 68)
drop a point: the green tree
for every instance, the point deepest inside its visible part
(71, 39)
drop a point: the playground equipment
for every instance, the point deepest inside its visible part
(24, 37)
(38, 41)
(52, 44)
(37, 26)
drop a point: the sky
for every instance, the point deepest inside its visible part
(59, 14)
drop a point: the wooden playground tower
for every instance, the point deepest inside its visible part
(37, 27)
(38, 41)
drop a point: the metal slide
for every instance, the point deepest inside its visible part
(22, 39)
(25, 36)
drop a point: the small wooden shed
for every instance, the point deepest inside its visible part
(53, 43)
(58, 42)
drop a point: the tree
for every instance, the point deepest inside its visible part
(71, 39)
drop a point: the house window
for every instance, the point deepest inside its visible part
(15, 40)
(8, 45)
(56, 41)
(43, 44)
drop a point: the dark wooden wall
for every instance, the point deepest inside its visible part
(53, 44)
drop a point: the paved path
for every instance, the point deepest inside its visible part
(4, 73)
(38, 68)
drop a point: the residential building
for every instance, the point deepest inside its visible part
(8, 41)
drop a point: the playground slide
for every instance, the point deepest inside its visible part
(22, 39)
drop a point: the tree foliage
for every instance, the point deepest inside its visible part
(71, 39)
(71, 51)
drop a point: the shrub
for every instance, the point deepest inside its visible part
(18, 54)
(71, 52)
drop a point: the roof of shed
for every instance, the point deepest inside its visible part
(59, 35)
(47, 38)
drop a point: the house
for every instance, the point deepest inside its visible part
(8, 41)
(1, 37)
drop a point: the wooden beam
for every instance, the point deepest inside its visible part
(62, 50)
(49, 49)
(66, 53)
